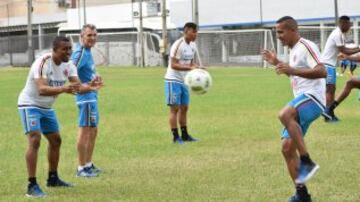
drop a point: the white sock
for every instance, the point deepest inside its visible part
(81, 168)
(88, 165)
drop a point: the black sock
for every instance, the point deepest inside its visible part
(175, 133)
(333, 105)
(305, 158)
(32, 181)
(184, 132)
(301, 189)
(53, 175)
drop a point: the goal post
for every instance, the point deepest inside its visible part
(234, 47)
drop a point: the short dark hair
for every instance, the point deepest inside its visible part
(290, 22)
(58, 40)
(344, 17)
(190, 25)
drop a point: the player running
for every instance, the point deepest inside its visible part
(307, 75)
(353, 82)
(182, 60)
(46, 80)
(335, 44)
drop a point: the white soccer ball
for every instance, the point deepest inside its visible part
(198, 80)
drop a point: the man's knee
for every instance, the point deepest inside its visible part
(54, 140)
(286, 114)
(184, 109)
(174, 109)
(34, 140)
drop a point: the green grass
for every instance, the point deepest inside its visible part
(237, 159)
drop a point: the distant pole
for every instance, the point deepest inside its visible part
(164, 30)
(261, 13)
(141, 36)
(195, 10)
(79, 13)
(8, 33)
(336, 12)
(84, 12)
(29, 32)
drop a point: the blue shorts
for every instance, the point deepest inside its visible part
(331, 75)
(88, 114)
(345, 63)
(353, 64)
(308, 108)
(176, 93)
(38, 119)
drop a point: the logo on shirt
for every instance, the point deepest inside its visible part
(66, 73)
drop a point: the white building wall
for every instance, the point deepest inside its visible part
(235, 12)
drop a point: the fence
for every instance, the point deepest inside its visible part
(14, 49)
(216, 48)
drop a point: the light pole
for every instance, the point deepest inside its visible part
(195, 10)
(8, 33)
(336, 12)
(84, 12)
(29, 32)
(164, 32)
(141, 36)
(261, 13)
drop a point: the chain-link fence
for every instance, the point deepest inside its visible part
(234, 48)
(216, 48)
(123, 49)
(14, 49)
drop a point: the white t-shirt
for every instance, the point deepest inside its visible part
(305, 54)
(185, 53)
(44, 67)
(331, 50)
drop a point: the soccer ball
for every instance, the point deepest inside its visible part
(198, 80)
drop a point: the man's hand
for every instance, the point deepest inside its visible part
(96, 83)
(71, 89)
(342, 56)
(194, 66)
(283, 68)
(270, 57)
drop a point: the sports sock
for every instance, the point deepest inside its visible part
(175, 133)
(301, 189)
(81, 167)
(306, 159)
(32, 181)
(184, 132)
(53, 175)
(88, 165)
(333, 105)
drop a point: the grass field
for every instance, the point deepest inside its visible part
(237, 159)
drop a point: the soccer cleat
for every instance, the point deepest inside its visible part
(297, 198)
(178, 140)
(95, 169)
(86, 172)
(188, 138)
(329, 116)
(35, 191)
(57, 182)
(306, 171)
(333, 119)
